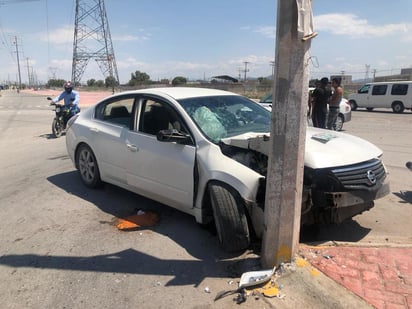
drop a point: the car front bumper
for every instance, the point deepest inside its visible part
(345, 205)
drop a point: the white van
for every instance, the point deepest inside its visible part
(396, 95)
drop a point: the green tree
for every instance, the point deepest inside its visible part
(91, 82)
(55, 83)
(111, 82)
(100, 83)
(139, 78)
(179, 80)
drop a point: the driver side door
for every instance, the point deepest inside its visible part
(163, 171)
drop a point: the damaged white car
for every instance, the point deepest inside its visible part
(202, 151)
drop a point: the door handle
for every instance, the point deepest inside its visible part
(132, 147)
(94, 130)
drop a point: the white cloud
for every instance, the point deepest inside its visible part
(129, 38)
(269, 32)
(266, 31)
(61, 35)
(352, 25)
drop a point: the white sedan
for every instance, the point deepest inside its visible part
(202, 151)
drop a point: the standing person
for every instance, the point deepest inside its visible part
(320, 98)
(334, 103)
(71, 99)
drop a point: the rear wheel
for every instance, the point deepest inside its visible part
(230, 218)
(369, 109)
(398, 107)
(57, 127)
(87, 166)
(353, 105)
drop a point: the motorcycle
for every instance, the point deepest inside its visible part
(60, 119)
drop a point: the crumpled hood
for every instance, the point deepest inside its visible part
(324, 148)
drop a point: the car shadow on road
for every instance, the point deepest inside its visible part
(209, 259)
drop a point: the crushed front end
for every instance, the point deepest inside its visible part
(329, 195)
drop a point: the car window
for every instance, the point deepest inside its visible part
(226, 116)
(399, 89)
(364, 89)
(117, 112)
(379, 89)
(157, 115)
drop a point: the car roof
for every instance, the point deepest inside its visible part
(181, 92)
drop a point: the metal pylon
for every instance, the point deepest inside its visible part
(92, 40)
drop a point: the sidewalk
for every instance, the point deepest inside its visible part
(382, 276)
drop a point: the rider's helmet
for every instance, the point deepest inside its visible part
(68, 87)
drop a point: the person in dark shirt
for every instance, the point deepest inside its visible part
(320, 97)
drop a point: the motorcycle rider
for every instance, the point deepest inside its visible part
(71, 100)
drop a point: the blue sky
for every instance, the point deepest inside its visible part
(200, 39)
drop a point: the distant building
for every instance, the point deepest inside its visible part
(406, 74)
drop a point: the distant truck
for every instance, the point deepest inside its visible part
(396, 95)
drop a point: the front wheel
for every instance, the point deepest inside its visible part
(86, 164)
(57, 127)
(398, 107)
(230, 218)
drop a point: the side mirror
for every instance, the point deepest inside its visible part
(173, 136)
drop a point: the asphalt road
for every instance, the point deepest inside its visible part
(60, 246)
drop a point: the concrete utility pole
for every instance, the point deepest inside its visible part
(288, 130)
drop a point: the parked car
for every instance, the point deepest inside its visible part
(396, 95)
(345, 112)
(204, 152)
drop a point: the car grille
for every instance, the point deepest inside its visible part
(365, 174)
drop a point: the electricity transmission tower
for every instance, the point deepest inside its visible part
(92, 40)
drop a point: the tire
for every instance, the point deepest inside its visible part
(369, 109)
(86, 164)
(230, 218)
(339, 122)
(353, 105)
(57, 128)
(398, 107)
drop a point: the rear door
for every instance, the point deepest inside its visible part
(113, 120)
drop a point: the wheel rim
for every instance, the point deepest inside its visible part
(87, 165)
(397, 108)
